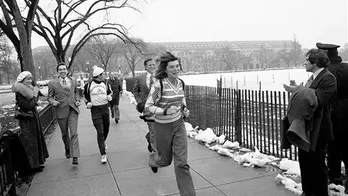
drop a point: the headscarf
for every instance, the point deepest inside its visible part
(23, 75)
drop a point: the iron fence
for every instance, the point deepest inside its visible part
(250, 117)
(7, 174)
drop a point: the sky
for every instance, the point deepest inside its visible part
(309, 21)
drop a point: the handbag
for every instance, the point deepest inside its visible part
(21, 115)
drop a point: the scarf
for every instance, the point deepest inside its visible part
(28, 91)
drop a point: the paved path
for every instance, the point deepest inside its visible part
(127, 173)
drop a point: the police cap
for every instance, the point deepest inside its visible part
(331, 49)
(327, 46)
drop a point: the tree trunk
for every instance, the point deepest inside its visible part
(27, 63)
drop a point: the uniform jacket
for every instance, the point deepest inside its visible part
(66, 98)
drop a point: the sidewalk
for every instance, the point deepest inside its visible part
(127, 172)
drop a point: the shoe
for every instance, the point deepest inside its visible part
(37, 170)
(75, 161)
(67, 154)
(116, 121)
(42, 166)
(112, 115)
(106, 146)
(103, 159)
(154, 169)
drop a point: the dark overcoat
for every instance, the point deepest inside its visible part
(325, 89)
(116, 88)
(31, 133)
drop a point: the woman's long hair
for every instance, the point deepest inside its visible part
(163, 61)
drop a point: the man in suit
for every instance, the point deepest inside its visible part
(141, 91)
(63, 95)
(314, 172)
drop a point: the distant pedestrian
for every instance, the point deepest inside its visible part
(314, 172)
(116, 88)
(64, 95)
(167, 102)
(31, 132)
(98, 94)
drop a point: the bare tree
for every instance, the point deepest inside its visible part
(45, 65)
(18, 29)
(7, 64)
(102, 50)
(58, 26)
(133, 52)
(229, 58)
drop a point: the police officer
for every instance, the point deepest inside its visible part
(338, 148)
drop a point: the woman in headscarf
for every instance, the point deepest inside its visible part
(31, 133)
(167, 102)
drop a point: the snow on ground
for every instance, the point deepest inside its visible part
(270, 79)
(289, 177)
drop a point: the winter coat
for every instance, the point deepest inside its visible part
(116, 88)
(31, 133)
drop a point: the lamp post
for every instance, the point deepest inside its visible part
(40, 77)
(87, 68)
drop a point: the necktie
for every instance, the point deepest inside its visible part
(64, 82)
(151, 81)
(309, 82)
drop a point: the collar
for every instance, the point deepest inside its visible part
(315, 74)
(148, 75)
(66, 78)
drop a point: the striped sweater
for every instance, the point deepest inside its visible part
(158, 101)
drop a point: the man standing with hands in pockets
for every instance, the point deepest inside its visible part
(63, 95)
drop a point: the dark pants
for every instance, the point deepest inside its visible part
(314, 172)
(338, 148)
(337, 152)
(101, 122)
(115, 111)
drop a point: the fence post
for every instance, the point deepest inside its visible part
(238, 123)
(220, 103)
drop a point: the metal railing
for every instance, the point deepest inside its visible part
(248, 116)
(7, 174)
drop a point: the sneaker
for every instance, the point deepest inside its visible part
(75, 161)
(103, 159)
(106, 146)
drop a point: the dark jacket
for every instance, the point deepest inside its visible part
(325, 90)
(141, 92)
(31, 132)
(340, 108)
(116, 88)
